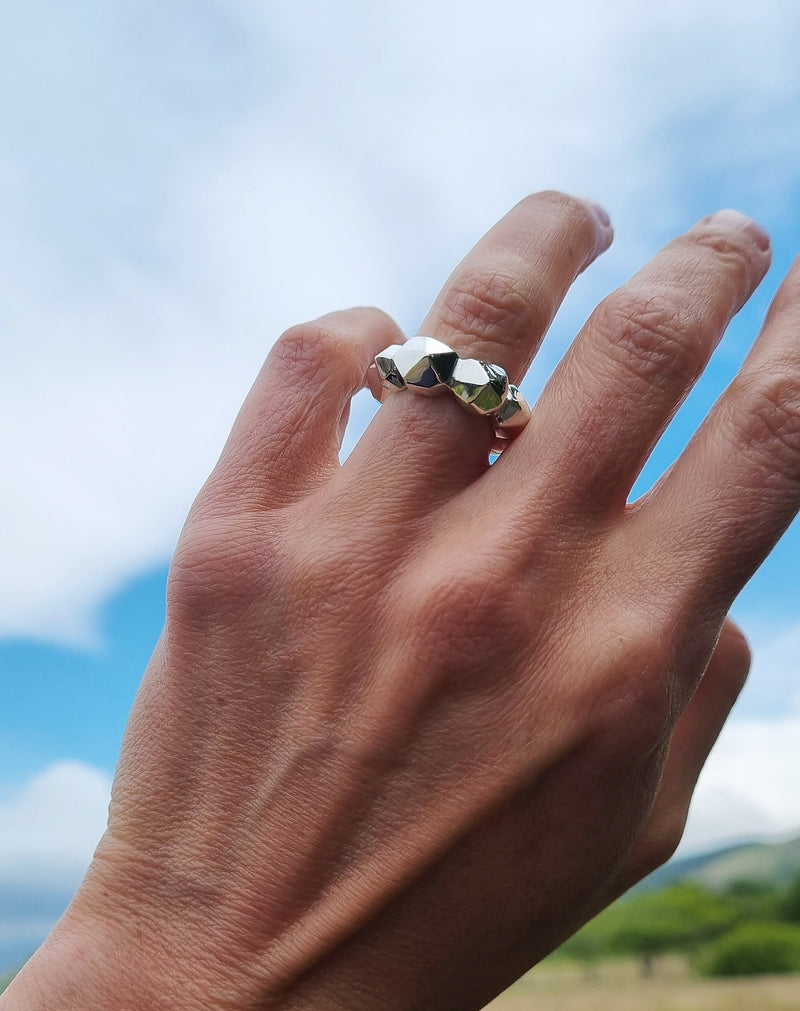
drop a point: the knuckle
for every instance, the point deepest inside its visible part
(649, 336)
(772, 420)
(730, 663)
(306, 349)
(490, 307)
(215, 574)
(663, 839)
(733, 251)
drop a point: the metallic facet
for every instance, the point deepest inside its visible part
(387, 370)
(374, 384)
(509, 421)
(428, 367)
(482, 386)
(425, 365)
(515, 413)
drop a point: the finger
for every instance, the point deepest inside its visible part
(495, 307)
(497, 304)
(634, 362)
(736, 487)
(286, 438)
(692, 740)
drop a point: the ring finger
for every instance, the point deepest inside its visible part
(496, 307)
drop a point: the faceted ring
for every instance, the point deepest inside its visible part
(430, 368)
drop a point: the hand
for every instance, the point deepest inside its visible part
(413, 719)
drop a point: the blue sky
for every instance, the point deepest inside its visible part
(179, 183)
(63, 702)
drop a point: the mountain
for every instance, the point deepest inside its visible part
(776, 863)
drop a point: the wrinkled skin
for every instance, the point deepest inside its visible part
(412, 720)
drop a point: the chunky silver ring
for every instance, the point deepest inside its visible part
(430, 368)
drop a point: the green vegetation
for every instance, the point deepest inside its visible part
(790, 902)
(676, 919)
(753, 949)
(724, 924)
(745, 928)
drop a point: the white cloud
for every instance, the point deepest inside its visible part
(50, 826)
(750, 787)
(179, 185)
(773, 687)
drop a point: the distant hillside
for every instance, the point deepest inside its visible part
(773, 862)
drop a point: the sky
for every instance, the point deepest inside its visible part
(181, 182)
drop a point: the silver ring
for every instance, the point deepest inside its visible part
(430, 368)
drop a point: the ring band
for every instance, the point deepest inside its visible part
(430, 368)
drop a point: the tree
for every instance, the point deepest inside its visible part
(790, 906)
(754, 899)
(677, 918)
(753, 949)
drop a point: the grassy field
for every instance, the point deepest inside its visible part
(619, 986)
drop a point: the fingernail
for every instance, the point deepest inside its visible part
(604, 228)
(601, 214)
(734, 221)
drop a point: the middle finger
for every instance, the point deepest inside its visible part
(629, 369)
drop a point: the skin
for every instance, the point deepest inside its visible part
(413, 720)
